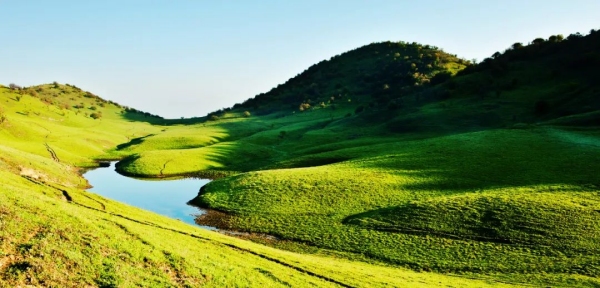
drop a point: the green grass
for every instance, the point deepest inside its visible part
(439, 204)
(53, 233)
(509, 204)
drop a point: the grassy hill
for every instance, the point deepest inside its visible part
(55, 234)
(441, 173)
(370, 75)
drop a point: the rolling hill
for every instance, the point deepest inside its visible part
(395, 164)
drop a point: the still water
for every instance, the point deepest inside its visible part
(166, 197)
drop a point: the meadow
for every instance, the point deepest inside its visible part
(460, 175)
(54, 233)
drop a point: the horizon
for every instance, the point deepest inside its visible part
(189, 59)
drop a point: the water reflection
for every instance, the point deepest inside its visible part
(166, 197)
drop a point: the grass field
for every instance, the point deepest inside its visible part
(510, 204)
(55, 234)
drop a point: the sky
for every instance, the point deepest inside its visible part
(187, 58)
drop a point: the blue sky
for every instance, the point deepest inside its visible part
(188, 58)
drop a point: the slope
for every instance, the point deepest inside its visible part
(55, 234)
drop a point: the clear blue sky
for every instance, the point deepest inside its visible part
(188, 58)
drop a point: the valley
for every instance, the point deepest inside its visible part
(394, 164)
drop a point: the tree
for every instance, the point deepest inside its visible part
(538, 41)
(517, 45)
(555, 38)
(14, 86)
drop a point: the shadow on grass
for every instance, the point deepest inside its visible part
(136, 116)
(505, 158)
(134, 141)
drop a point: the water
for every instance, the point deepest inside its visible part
(166, 197)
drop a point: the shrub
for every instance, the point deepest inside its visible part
(2, 116)
(247, 114)
(96, 115)
(213, 117)
(282, 134)
(93, 108)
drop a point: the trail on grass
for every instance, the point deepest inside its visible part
(52, 153)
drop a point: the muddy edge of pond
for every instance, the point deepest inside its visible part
(222, 221)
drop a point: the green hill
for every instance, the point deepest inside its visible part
(371, 171)
(371, 75)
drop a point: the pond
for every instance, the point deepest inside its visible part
(167, 197)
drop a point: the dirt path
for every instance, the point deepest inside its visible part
(163, 168)
(52, 153)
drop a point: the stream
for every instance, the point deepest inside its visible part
(167, 197)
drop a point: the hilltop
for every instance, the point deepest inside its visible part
(392, 164)
(372, 75)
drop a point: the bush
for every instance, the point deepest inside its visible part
(96, 115)
(247, 114)
(213, 117)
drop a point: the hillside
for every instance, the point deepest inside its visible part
(55, 234)
(371, 75)
(433, 184)
(441, 173)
